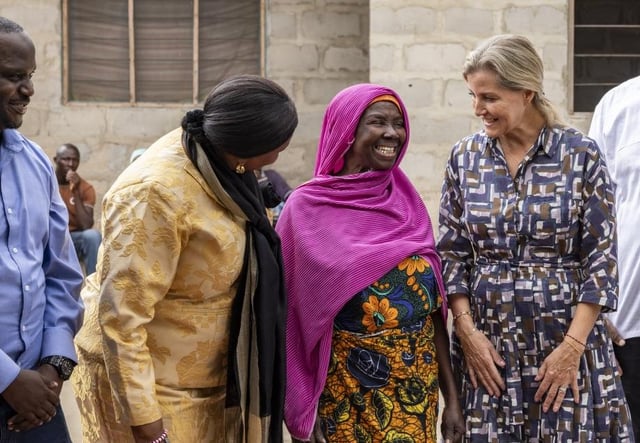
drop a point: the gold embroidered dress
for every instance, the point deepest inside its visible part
(158, 307)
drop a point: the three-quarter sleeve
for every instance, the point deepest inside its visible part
(598, 254)
(454, 245)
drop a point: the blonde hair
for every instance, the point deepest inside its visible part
(518, 67)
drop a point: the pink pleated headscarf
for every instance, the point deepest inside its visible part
(339, 235)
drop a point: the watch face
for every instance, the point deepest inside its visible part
(65, 369)
(63, 365)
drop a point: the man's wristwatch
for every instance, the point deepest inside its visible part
(63, 365)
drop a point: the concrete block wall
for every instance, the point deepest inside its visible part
(418, 48)
(314, 49)
(105, 134)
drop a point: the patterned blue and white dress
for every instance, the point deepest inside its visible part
(526, 249)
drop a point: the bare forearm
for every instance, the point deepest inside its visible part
(445, 372)
(84, 213)
(461, 310)
(583, 321)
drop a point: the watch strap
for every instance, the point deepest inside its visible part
(63, 365)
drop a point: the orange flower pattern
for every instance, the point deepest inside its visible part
(413, 264)
(382, 382)
(378, 314)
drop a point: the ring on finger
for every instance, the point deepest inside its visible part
(562, 389)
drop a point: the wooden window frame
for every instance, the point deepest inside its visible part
(570, 51)
(132, 71)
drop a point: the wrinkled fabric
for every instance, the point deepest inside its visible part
(339, 235)
(525, 250)
(154, 343)
(40, 277)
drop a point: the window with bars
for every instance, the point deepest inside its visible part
(606, 48)
(157, 51)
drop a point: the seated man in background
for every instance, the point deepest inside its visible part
(80, 198)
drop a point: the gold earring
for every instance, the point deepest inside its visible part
(240, 169)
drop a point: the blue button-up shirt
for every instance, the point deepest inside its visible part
(40, 277)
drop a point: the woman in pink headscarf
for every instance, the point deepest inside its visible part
(367, 346)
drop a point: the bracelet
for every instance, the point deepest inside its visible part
(460, 314)
(575, 348)
(163, 437)
(576, 340)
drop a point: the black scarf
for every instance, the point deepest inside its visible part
(260, 300)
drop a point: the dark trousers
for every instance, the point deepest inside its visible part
(53, 432)
(628, 357)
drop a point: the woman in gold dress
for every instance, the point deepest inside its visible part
(185, 313)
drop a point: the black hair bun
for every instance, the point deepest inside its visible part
(192, 121)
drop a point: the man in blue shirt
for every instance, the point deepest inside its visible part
(40, 277)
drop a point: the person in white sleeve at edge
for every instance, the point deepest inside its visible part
(616, 128)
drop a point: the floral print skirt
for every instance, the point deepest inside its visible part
(382, 382)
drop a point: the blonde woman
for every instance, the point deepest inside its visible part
(527, 239)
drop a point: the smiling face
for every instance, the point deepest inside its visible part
(502, 110)
(379, 137)
(17, 65)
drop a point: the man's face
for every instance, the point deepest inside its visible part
(17, 65)
(67, 159)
